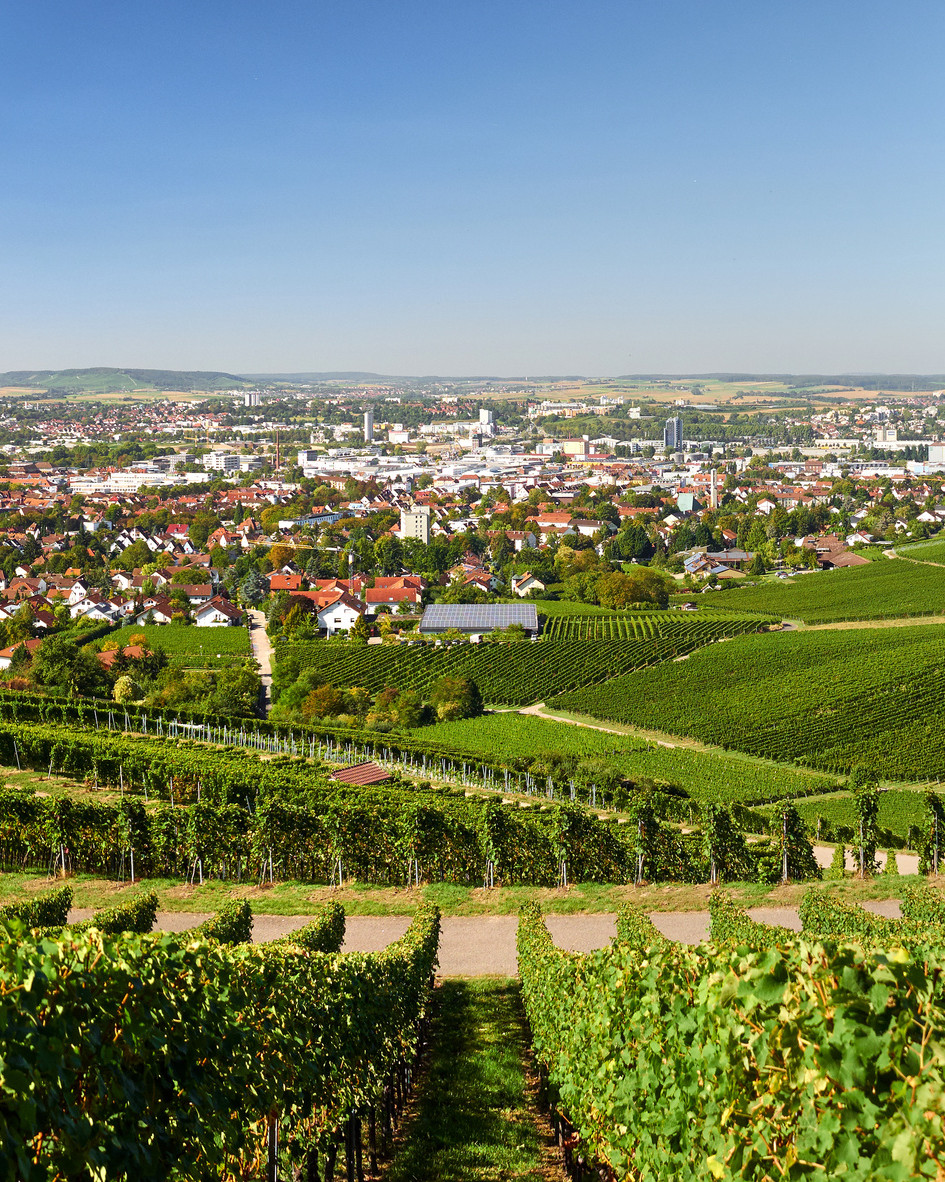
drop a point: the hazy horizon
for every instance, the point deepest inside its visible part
(420, 189)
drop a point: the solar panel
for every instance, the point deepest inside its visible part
(478, 617)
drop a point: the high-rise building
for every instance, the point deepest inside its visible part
(369, 426)
(672, 434)
(415, 523)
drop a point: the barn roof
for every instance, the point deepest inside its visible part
(361, 774)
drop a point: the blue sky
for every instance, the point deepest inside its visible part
(478, 187)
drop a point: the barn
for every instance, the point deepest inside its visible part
(477, 619)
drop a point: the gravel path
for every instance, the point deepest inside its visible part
(482, 945)
(262, 651)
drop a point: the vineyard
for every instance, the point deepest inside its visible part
(162, 1057)
(826, 699)
(761, 1055)
(197, 648)
(885, 589)
(706, 776)
(702, 628)
(931, 551)
(899, 810)
(520, 673)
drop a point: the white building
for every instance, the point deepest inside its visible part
(415, 523)
(222, 461)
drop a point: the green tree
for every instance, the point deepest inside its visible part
(455, 697)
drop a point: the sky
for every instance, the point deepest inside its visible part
(477, 187)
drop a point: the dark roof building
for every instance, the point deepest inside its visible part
(479, 618)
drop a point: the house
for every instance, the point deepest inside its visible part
(157, 611)
(6, 654)
(281, 582)
(134, 652)
(523, 584)
(217, 613)
(392, 597)
(340, 614)
(336, 609)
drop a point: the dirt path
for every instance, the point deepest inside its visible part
(262, 651)
(908, 558)
(484, 945)
(899, 622)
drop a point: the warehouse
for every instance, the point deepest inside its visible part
(478, 619)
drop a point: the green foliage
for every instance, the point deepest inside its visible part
(135, 915)
(881, 590)
(680, 1062)
(454, 698)
(159, 1045)
(636, 928)
(50, 910)
(798, 696)
(866, 806)
(731, 922)
(724, 847)
(932, 853)
(510, 672)
(325, 933)
(232, 924)
(924, 904)
(198, 648)
(837, 867)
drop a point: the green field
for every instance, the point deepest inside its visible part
(931, 551)
(830, 700)
(898, 809)
(706, 776)
(517, 673)
(885, 589)
(197, 648)
(701, 626)
(509, 734)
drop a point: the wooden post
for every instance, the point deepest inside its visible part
(349, 1150)
(372, 1139)
(272, 1146)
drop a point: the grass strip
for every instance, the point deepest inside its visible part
(474, 1116)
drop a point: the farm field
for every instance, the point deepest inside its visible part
(509, 733)
(885, 589)
(711, 776)
(628, 626)
(826, 699)
(931, 551)
(898, 809)
(197, 648)
(516, 673)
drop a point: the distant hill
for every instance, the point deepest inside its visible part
(347, 376)
(101, 380)
(902, 382)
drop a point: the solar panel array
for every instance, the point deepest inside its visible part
(478, 617)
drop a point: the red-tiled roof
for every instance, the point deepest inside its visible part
(361, 774)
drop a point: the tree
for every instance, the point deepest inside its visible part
(360, 630)
(324, 702)
(126, 689)
(60, 663)
(455, 697)
(202, 526)
(254, 588)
